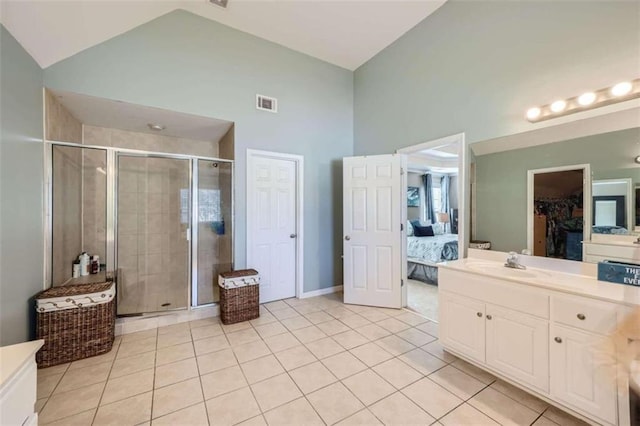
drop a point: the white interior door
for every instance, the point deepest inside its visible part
(372, 210)
(271, 225)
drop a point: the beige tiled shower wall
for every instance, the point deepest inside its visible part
(226, 145)
(94, 202)
(61, 125)
(67, 211)
(152, 246)
(103, 136)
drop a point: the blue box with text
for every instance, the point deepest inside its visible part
(619, 272)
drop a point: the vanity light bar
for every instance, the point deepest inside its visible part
(620, 92)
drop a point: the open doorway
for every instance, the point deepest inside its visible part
(557, 212)
(433, 219)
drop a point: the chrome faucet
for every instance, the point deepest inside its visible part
(513, 261)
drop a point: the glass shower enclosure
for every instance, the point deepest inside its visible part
(153, 223)
(161, 222)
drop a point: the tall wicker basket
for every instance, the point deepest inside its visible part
(239, 296)
(75, 321)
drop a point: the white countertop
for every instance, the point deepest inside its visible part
(581, 285)
(13, 357)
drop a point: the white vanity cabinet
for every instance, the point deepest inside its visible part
(18, 383)
(582, 372)
(579, 376)
(518, 346)
(549, 342)
(462, 325)
(508, 341)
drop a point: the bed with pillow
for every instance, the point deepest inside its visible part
(615, 230)
(428, 245)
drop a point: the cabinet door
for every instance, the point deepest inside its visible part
(518, 346)
(583, 372)
(462, 325)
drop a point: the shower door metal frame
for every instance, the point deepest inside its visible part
(111, 213)
(189, 224)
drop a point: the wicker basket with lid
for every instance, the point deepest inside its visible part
(239, 296)
(75, 321)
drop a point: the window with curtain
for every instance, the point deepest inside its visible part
(429, 205)
(445, 183)
(436, 194)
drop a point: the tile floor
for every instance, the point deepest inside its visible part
(303, 362)
(422, 298)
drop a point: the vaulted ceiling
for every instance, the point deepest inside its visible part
(346, 33)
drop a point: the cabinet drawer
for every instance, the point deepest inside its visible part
(514, 296)
(590, 315)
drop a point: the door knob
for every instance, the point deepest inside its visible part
(347, 238)
(292, 236)
(558, 340)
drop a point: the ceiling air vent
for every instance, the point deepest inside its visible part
(266, 103)
(221, 3)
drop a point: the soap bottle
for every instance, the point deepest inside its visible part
(84, 264)
(95, 264)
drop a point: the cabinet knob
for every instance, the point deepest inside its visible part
(558, 339)
(489, 317)
(479, 314)
(347, 238)
(581, 317)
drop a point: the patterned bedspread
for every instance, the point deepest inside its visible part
(433, 249)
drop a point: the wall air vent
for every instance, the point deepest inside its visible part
(221, 3)
(266, 103)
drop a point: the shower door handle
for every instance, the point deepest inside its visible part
(188, 232)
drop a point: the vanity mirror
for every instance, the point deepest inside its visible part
(550, 190)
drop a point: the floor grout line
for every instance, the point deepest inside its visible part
(195, 357)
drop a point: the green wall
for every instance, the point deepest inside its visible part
(187, 63)
(477, 66)
(501, 179)
(21, 189)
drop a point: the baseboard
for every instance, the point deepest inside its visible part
(126, 325)
(321, 292)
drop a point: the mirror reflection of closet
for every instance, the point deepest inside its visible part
(558, 204)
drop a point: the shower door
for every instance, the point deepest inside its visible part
(153, 232)
(214, 228)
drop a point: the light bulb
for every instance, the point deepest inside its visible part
(621, 89)
(533, 113)
(587, 98)
(558, 106)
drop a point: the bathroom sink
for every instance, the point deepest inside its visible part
(501, 270)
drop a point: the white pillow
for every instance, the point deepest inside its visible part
(438, 228)
(409, 229)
